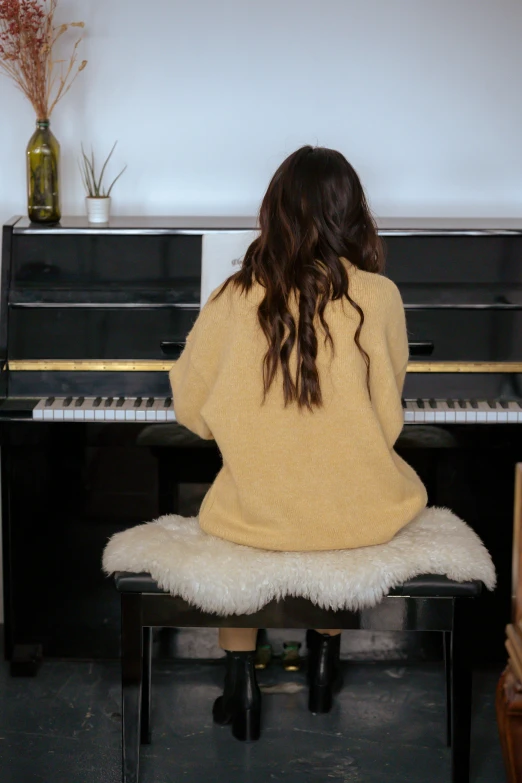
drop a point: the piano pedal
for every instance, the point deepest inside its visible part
(26, 660)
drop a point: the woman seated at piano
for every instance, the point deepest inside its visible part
(295, 366)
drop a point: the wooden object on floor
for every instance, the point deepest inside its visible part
(509, 689)
(509, 717)
(517, 549)
(514, 660)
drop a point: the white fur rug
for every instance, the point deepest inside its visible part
(224, 578)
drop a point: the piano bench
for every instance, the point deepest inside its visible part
(425, 603)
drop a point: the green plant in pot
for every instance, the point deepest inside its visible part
(29, 39)
(98, 196)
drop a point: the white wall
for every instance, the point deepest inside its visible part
(207, 96)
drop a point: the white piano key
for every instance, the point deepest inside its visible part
(57, 409)
(450, 414)
(441, 413)
(78, 410)
(109, 410)
(418, 413)
(129, 409)
(68, 411)
(160, 412)
(48, 411)
(141, 410)
(119, 410)
(492, 415)
(88, 409)
(429, 413)
(461, 414)
(514, 413)
(38, 410)
(485, 414)
(409, 412)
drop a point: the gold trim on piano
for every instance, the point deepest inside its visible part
(162, 365)
(509, 367)
(90, 365)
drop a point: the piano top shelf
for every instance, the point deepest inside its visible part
(78, 224)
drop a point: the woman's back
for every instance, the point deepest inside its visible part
(296, 367)
(295, 478)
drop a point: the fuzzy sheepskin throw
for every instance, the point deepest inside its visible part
(224, 578)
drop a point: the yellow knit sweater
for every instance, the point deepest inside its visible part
(294, 479)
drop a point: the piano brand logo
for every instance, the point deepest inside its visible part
(237, 261)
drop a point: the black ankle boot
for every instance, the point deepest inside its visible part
(240, 704)
(324, 670)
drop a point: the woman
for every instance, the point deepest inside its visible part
(296, 367)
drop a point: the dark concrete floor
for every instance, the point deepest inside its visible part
(387, 725)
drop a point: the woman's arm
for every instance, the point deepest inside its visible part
(397, 336)
(193, 375)
(189, 394)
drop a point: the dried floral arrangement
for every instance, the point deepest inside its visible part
(94, 184)
(28, 38)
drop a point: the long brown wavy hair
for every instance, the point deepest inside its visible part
(313, 214)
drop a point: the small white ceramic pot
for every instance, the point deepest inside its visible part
(98, 209)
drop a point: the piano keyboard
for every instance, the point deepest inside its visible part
(427, 411)
(462, 411)
(104, 409)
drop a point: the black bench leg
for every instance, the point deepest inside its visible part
(131, 682)
(447, 672)
(461, 684)
(146, 691)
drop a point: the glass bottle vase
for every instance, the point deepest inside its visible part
(43, 175)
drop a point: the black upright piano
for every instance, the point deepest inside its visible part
(91, 319)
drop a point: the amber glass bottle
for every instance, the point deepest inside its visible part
(43, 175)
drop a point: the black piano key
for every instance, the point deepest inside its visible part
(150, 402)
(420, 403)
(432, 403)
(504, 404)
(79, 402)
(120, 403)
(474, 404)
(49, 401)
(168, 402)
(97, 402)
(519, 403)
(67, 402)
(137, 402)
(108, 402)
(404, 403)
(450, 403)
(462, 404)
(492, 403)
